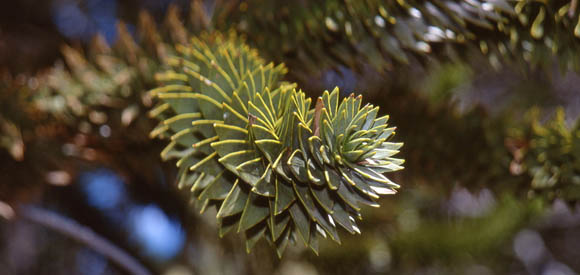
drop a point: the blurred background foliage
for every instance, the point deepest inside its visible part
(484, 94)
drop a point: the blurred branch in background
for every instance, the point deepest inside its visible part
(387, 34)
(81, 234)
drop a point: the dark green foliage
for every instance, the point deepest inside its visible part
(549, 153)
(66, 105)
(104, 85)
(252, 145)
(386, 34)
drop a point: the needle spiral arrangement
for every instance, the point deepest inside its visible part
(251, 145)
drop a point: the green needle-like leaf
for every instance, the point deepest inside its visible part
(250, 144)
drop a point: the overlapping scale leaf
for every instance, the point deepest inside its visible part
(251, 145)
